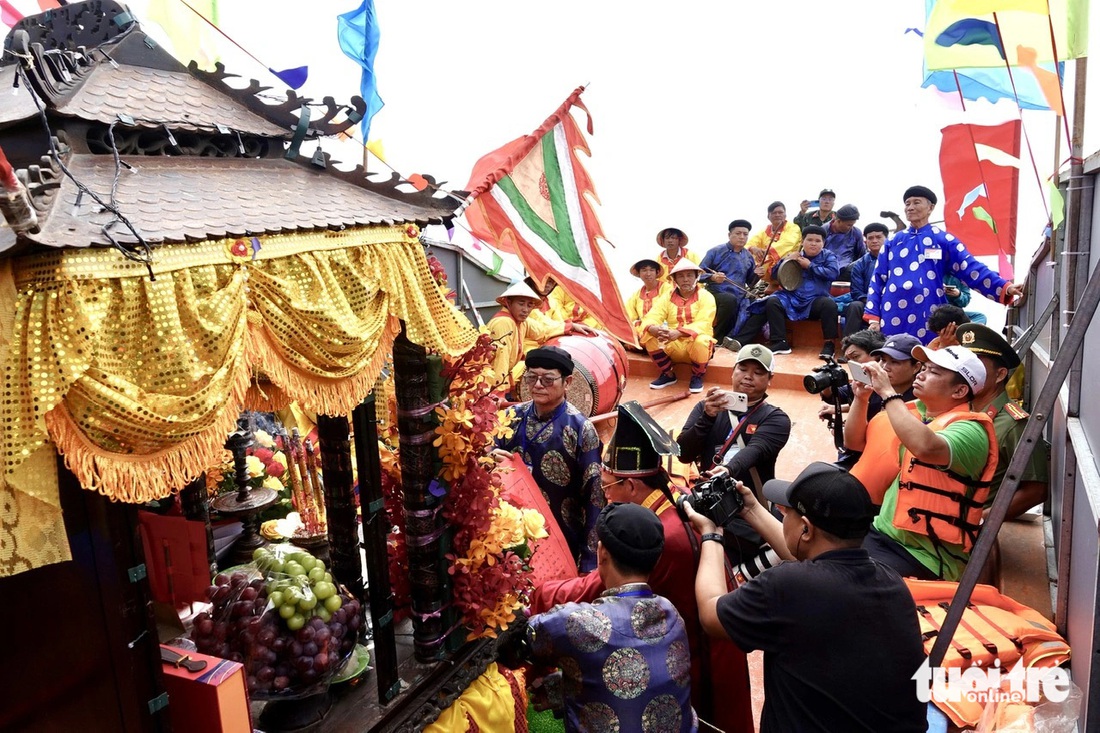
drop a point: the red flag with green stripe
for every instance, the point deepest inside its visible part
(530, 198)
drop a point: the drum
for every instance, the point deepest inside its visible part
(599, 373)
(839, 288)
(789, 274)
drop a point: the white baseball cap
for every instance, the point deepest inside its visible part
(957, 359)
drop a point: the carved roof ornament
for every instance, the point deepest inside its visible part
(284, 114)
(184, 155)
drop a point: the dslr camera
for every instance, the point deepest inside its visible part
(716, 498)
(829, 375)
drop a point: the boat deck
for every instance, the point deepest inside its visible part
(1021, 568)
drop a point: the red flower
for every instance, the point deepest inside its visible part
(275, 469)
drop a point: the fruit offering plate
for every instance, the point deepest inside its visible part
(284, 618)
(357, 665)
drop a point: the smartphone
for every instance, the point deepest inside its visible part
(814, 203)
(859, 374)
(737, 401)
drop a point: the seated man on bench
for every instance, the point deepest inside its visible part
(809, 300)
(680, 328)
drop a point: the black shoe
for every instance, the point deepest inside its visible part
(732, 344)
(829, 349)
(779, 347)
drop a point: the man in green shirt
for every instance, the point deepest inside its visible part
(819, 217)
(952, 452)
(1009, 419)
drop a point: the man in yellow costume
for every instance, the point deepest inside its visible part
(545, 322)
(680, 328)
(675, 244)
(654, 287)
(509, 329)
(563, 308)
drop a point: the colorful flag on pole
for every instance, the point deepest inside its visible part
(358, 34)
(530, 198)
(962, 34)
(185, 28)
(954, 36)
(980, 169)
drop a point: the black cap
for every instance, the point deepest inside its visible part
(638, 444)
(632, 534)
(828, 496)
(826, 192)
(550, 357)
(876, 226)
(919, 191)
(847, 212)
(740, 223)
(984, 341)
(814, 229)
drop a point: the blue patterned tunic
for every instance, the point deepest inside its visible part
(737, 266)
(907, 283)
(563, 452)
(625, 663)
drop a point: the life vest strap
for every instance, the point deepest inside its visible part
(966, 480)
(1012, 638)
(967, 502)
(962, 650)
(915, 513)
(989, 646)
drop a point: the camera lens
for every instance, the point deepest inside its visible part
(816, 382)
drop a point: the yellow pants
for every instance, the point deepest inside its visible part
(683, 350)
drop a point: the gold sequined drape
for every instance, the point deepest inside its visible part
(137, 381)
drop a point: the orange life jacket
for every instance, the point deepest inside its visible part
(941, 504)
(993, 627)
(878, 466)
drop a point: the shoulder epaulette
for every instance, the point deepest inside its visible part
(1015, 411)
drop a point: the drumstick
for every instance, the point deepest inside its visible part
(652, 403)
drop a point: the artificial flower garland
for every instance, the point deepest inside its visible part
(493, 539)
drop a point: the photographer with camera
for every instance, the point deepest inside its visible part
(894, 355)
(722, 437)
(838, 630)
(632, 473)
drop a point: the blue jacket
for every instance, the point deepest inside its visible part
(861, 276)
(816, 282)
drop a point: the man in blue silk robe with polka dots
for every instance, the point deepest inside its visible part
(908, 280)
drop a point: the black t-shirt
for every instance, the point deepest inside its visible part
(841, 643)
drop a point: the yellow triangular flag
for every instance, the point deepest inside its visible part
(376, 149)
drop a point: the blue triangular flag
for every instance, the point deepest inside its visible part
(293, 78)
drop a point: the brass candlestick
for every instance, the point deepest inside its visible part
(248, 502)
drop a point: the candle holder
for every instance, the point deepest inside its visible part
(248, 502)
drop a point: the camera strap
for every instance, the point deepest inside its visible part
(735, 433)
(757, 484)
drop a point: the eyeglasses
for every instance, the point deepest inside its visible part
(545, 380)
(605, 475)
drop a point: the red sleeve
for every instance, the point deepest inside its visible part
(583, 589)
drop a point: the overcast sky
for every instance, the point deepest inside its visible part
(703, 112)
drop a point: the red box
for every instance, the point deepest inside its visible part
(212, 699)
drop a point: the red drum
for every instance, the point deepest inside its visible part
(599, 372)
(839, 288)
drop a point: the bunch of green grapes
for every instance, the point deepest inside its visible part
(299, 586)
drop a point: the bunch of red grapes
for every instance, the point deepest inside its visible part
(245, 627)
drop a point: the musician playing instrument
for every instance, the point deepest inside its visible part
(809, 299)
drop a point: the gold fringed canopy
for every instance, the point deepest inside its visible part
(137, 382)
